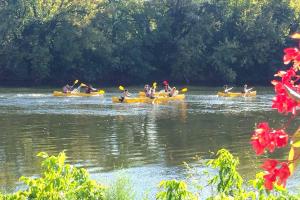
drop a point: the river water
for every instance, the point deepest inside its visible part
(147, 143)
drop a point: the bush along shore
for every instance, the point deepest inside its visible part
(61, 181)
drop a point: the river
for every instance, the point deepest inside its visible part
(146, 142)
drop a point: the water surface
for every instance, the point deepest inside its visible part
(148, 142)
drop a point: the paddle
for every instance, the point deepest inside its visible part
(75, 82)
(101, 92)
(248, 90)
(184, 90)
(77, 89)
(154, 85)
(71, 87)
(121, 88)
(83, 85)
(228, 89)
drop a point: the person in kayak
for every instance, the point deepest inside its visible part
(89, 88)
(124, 95)
(226, 89)
(147, 90)
(152, 92)
(167, 88)
(246, 90)
(171, 91)
(67, 88)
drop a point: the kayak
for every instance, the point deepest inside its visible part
(130, 100)
(160, 94)
(156, 100)
(237, 94)
(165, 99)
(142, 94)
(77, 94)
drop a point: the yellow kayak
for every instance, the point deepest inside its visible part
(163, 94)
(237, 94)
(130, 100)
(77, 94)
(156, 100)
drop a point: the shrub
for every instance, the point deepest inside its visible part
(59, 181)
(174, 190)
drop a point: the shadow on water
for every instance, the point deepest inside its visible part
(145, 140)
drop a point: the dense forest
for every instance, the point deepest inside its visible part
(207, 42)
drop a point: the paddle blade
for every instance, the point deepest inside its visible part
(121, 88)
(101, 92)
(295, 36)
(154, 85)
(75, 82)
(184, 90)
(83, 85)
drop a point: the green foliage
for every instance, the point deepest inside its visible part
(279, 193)
(174, 190)
(120, 190)
(227, 183)
(136, 40)
(59, 181)
(228, 180)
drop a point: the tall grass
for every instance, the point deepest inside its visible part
(121, 189)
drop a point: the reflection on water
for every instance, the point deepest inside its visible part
(143, 139)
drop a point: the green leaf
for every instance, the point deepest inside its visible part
(296, 144)
(42, 155)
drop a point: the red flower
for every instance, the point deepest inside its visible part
(284, 104)
(269, 181)
(270, 164)
(283, 174)
(282, 101)
(275, 174)
(281, 138)
(265, 138)
(285, 101)
(290, 54)
(260, 139)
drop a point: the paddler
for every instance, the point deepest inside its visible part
(168, 90)
(226, 89)
(147, 90)
(67, 88)
(77, 90)
(124, 95)
(89, 88)
(152, 91)
(246, 90)
(173, 92)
